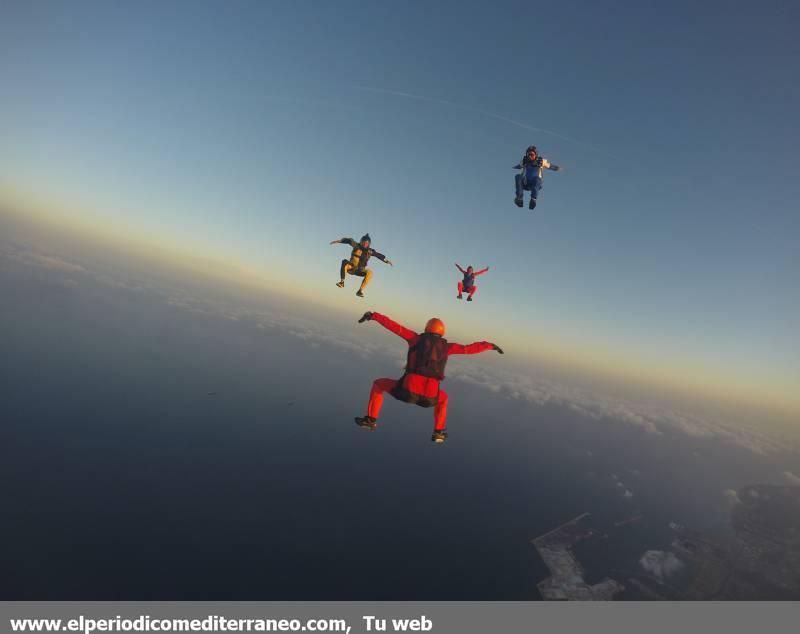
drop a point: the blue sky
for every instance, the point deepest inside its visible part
(260, 129)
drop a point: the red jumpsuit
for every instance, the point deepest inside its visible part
(416, 383)
(468, 284)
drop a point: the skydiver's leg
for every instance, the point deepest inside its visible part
(519, 181)
(440, 412)
(535, 187)
(471, 292)
(376, 396)
(367, 278)
(460, 289)
(343, 270)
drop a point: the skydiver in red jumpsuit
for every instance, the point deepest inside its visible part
(427, 357)
(468, 284)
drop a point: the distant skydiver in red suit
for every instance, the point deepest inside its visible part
(468, 283)
(427, 357)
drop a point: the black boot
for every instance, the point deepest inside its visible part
(439, 436)
(366, 422)
(532, 204)
(519, 202)
(359, 293)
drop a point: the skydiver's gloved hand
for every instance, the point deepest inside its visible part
(365, 317)
(498, 348)
(389, 262)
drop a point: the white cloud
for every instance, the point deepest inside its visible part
(660, 564)
(791, 478)
(50, 262)
(732, 496)
(34, 258)
(316, 338)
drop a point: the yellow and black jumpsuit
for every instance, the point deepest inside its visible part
(357, 264)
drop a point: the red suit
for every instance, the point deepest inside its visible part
(467, 285)
(418, 388)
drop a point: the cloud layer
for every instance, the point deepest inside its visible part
(651, 418)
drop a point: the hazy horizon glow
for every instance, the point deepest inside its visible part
(592, 364)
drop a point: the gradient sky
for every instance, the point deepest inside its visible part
(263, 130)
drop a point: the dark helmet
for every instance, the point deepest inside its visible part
(366, 237)
(469, 269)
(531, 148)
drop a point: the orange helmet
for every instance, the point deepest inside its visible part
(435, 326)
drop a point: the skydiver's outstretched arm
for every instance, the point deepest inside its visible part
(548, 165)
(460, 269)
(380, 256)
(392, 326)
(481, 272)
(472, 348)
(349, 241)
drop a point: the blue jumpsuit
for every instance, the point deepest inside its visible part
(530, 178)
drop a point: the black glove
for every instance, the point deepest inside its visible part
(365, 317)
(498, 348)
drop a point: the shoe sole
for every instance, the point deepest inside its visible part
(367, 427)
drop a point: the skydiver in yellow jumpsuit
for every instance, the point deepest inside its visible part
(357, 264)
